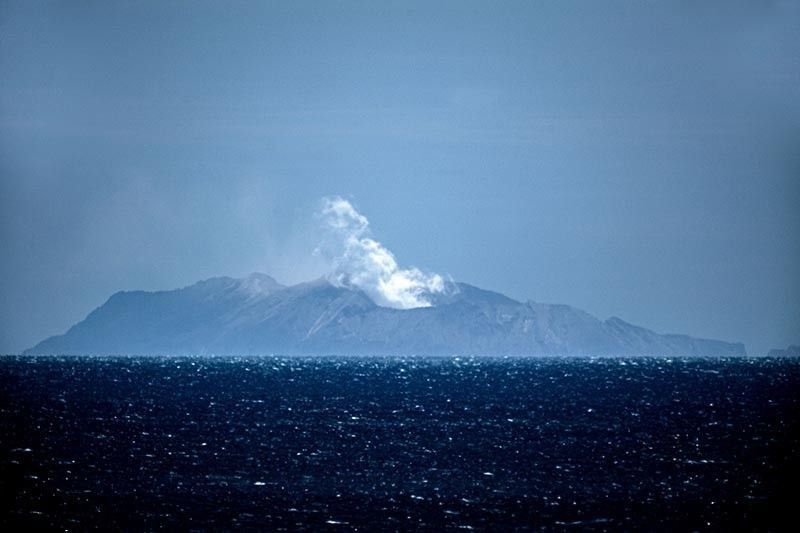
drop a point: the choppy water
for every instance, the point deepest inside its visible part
(385, 444)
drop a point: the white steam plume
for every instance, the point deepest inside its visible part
(361, 262)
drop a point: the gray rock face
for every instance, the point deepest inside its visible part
(257, 315)
(791, 351)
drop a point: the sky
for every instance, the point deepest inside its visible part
(638, 159)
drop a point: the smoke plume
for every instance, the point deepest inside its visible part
(359, 261)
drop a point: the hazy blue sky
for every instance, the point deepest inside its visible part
(638, 159)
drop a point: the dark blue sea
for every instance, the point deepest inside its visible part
(377, 444)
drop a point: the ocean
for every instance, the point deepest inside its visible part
(377, 444)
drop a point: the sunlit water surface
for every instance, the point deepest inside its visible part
(375, 443)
